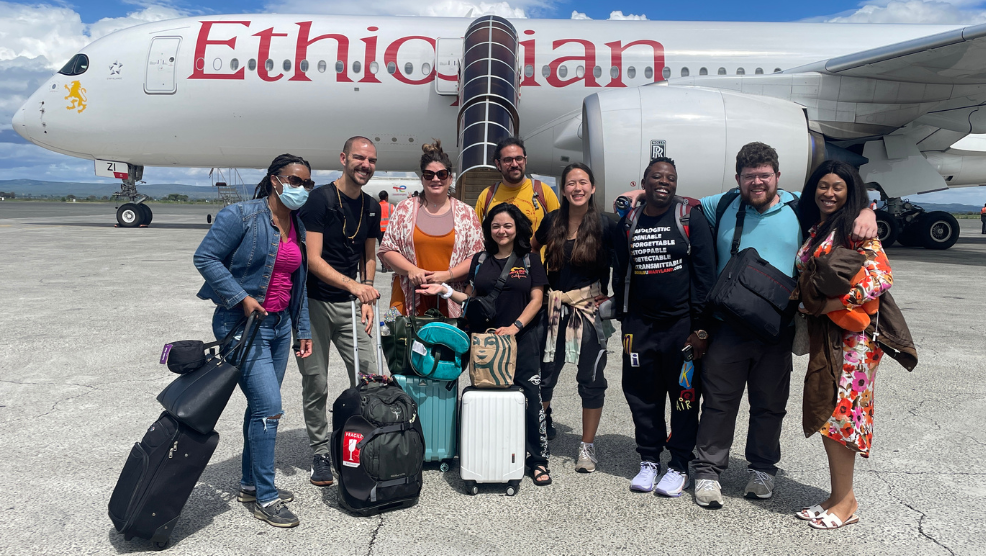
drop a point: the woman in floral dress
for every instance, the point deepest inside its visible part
(832, 197)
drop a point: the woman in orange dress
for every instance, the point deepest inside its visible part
(431, 239)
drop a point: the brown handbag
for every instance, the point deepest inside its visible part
(492, 360)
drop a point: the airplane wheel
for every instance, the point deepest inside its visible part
(887, 228)
(147, 214)
(208, 219)
(938, 230)
(129, 216)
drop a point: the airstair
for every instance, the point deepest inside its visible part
(489, 91)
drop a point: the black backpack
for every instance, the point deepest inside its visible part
(377, 447)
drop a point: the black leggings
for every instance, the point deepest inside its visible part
(592, 361)
(528, 378)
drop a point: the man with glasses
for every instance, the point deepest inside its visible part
(735, 360)
(530, 196)
(343, 225)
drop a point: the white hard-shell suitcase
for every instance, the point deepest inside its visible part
(492, 446)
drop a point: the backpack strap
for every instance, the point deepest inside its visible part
(539, 196)
(490, 193)
(630, 225)
(724, 203)
(682, 215)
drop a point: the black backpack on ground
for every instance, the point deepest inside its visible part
(377, 447)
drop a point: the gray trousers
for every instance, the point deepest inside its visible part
(332, 323)
(734, 362)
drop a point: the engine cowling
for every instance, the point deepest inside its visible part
(701, 129)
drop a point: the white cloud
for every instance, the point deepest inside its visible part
(618, 16)
(435, 8)
(958, 12)
(579, 15)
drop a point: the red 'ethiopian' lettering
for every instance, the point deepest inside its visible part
(616, 56)
(301, 52)
(198, 62)
(588, 62)
(264, 54)
(390, 56)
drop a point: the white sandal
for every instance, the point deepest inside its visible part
(809, 513)
(832, 521)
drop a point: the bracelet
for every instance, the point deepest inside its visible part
(367, 282)
(448, 291)
(519, 325)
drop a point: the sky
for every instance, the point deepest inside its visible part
(37, 38)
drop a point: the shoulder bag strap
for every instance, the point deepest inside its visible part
(511, 261)
(740, 217)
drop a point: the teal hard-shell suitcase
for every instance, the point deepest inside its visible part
(438, 409)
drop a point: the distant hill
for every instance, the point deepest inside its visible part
(949, 207)
(36, 188)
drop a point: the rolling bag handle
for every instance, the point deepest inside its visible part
(250, 330)
(356, 323)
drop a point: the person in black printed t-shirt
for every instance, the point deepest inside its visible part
(578, 242)
(673, 270)
(507, 231)
(343, 226)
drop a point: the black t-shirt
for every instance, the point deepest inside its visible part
(323, 214)
(516, 292)
(571, 277)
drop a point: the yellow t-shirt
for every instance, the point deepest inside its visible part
(522, 197)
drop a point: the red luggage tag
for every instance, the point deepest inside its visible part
(350, 452)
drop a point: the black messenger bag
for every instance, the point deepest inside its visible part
(751, 294)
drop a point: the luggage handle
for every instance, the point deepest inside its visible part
(246, 340)
(376, 315)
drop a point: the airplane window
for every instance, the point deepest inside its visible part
(269, 64)
(597, 72)
(722, 71)
(631, 72)
(251, 64)
(391, 68)
(340, 67)
(649, 72)
(666, 72)
(356, 66)
(684, 72)
(545, 71)
(529, 70)
(614, 72)
(562, 71)
(703, 71)
(740, 71)
(426, 68)
(777, 70)
(77, 65)
(408, 68)
(303, 66)
(286, 65)
(322, 66)
(374, 67)
(217, 64)
(580, 71)
(758, 71)
(234, 64)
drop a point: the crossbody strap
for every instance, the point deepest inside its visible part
(511, 260)
(740, 217)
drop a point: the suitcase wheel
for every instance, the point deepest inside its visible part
(471, 488)
(513, 487)
(443, 467)
(160, 545)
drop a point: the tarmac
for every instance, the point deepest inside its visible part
(89, 307)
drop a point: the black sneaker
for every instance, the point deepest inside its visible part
(251, 495)
(277, 514)
(321, 470)
(549, 424)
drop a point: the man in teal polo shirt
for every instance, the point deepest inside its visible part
(736, 360)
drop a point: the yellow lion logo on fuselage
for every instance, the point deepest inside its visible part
(77, 94)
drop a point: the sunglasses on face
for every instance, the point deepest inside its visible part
(428, 175)
(295, 181)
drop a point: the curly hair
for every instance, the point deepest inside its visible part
(843, 219)
(657, 160)
(588, 239)
(522, 242)
(756, 154)
(264, 188)
(508, 142)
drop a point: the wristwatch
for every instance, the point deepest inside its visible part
(702, 334)
(519, 325)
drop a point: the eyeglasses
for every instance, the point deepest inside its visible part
(295, 181)
(428, 175)
(511, 159)
(750, 178)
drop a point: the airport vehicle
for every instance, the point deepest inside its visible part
(235, 90)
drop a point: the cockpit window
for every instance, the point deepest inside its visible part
(76, 66)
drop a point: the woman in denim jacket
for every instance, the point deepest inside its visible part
(253, 259)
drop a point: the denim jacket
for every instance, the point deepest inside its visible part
(235, 263)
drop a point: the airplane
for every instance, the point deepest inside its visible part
(237, 90)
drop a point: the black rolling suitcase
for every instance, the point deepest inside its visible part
(158, 478)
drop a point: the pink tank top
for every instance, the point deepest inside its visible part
(288, 260)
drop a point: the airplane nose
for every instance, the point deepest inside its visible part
(20, 123)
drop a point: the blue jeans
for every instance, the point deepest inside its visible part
(262, 372)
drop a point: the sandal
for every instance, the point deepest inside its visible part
(832, 521)
(538, 475)
(809, 513)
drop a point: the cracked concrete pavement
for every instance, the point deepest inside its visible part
(89, 306)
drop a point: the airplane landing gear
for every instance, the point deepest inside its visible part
(912, 226)
(135, 213)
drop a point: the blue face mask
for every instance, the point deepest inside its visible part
(292, 197)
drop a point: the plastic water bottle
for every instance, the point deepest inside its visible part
(384, 329)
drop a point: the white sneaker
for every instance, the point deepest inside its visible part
(761, 485)
(708, 493)
(672, 483)
(587, 461)
(644, 481)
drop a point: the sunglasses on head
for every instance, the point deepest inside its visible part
(295, 181)
(429, 175)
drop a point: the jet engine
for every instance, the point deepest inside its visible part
(701, 129)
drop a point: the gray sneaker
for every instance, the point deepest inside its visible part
(761, 485)
(587, 461)
(251, 495)
(708, 493)
(277, 514)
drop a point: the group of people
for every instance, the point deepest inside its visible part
(664, 256)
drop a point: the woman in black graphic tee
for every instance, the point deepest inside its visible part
(507, 231)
